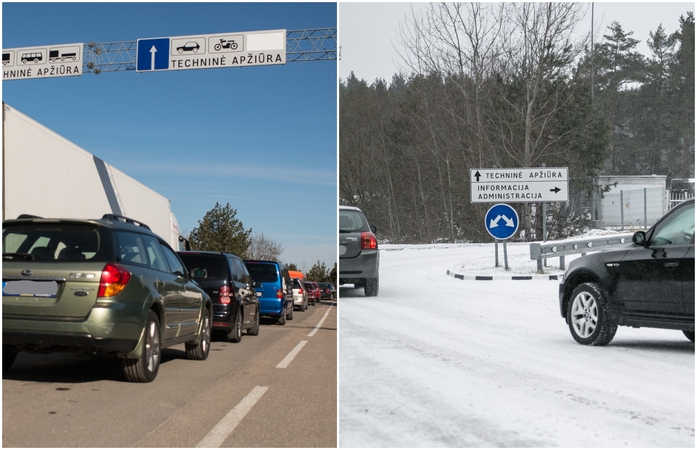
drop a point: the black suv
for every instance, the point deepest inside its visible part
(648, 284)
(104, 286)
(226, 280)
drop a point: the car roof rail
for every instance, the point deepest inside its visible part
(29, 216)
(125, 220)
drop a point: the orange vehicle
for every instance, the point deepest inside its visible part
(296, 274)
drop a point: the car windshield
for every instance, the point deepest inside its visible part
(351, 221)
(56, 242)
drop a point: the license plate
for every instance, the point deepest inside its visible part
(26, 288)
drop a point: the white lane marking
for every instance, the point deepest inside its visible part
(312, 333)
(293, 353)
(225, 427)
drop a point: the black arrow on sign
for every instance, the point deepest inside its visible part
(555, 190)
(477, 175)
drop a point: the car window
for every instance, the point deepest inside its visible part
(56, 242)
(175, 266)
(242, 274)
(677, 229)
(234, 270)
(156, 259)
(350, 221)
(263, 273)
(131, 248)
(204, 266)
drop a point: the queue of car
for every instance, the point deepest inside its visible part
(111, 286)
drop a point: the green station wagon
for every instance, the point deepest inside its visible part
(107, 286)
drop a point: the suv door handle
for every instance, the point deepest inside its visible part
(671, 265)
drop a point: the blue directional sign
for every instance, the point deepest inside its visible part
(501, 221)
(152, 54)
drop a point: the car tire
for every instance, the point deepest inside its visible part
(9, 354)
(200, 351)
(688, 334)
(281, 319)
(254, 331)
(290, 316)
(305, 305)
(235, 334)
(144, 369)
(372, 287)
(588, 316)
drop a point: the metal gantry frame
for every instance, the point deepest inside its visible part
(301, 45)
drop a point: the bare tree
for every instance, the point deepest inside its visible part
(264, 248)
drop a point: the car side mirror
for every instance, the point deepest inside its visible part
(639, 238)
(373, 229)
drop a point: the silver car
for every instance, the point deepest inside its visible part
(359, 259)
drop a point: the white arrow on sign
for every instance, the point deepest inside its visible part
(495, 222)
(153, 50)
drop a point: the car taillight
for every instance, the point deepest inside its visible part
(224, 295)
(300, 290)
(114, 279)
(279, 293)
(368, 241)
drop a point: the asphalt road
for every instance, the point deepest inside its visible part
(278, 389)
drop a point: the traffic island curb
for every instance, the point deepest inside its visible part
(503, 277)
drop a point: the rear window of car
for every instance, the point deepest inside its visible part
(204, 266)
(57, 242)
(351, 221)
(296, 283)
(262, 272)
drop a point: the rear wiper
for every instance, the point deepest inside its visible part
(18, 255)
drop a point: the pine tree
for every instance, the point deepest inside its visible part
(220, 231)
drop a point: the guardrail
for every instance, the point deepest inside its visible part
(541, 251)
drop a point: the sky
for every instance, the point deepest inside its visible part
(263, 139)
(371, 55)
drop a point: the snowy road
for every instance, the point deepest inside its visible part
(435, 361)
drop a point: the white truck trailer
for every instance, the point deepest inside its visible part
(46, 175)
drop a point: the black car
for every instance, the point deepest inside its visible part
(650, 283)
(226, 280)
(359, 259)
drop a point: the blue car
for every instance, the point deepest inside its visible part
(274, 289)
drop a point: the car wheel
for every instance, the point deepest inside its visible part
(290, 316)
(9, 354)
(588, 316)
(254, 331)
(200, 351)
(235, 335)
(281, 319)
(372, 287)
(688, 334)
(306, 305)
(144, 369)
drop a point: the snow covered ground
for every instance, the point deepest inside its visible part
(436, 361)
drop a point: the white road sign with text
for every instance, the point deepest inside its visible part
(47, 61)
(523, 185)
(211, 51)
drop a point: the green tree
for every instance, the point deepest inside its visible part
(318, 272)
(220, 231)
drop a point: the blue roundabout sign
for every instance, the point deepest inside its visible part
(501, 221)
